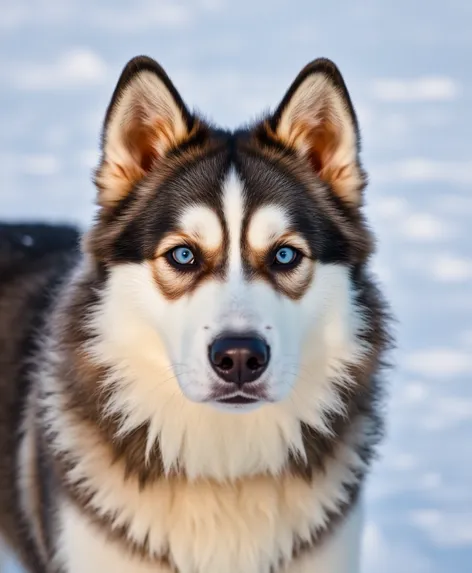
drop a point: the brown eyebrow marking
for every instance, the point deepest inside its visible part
(176, 239)
(291, 239)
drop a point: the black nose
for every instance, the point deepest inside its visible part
(238, 359)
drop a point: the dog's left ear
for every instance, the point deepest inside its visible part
(316, 118)
(145, 119)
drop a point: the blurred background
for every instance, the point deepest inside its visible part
(408, 66)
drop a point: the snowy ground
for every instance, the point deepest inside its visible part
(408, 66)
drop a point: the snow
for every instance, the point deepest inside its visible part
(408, 69)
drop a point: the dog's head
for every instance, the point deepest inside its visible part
(230, 256)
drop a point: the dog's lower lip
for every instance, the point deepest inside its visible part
(238, 399)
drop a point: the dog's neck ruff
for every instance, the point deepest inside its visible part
(195, 439)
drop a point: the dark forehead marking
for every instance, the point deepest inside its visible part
(267, 182)
(143, 218)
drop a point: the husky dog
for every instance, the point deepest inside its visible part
(195, 389)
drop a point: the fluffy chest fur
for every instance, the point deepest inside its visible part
(85, 548)
(257, 524)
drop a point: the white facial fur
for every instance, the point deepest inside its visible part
(159, 351)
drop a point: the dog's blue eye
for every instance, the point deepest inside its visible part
(285, 256)
(183, 256)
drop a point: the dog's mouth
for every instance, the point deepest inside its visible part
(238, 399)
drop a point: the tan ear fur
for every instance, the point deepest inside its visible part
(143, 122)
(316, 118)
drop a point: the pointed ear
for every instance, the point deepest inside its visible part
(316, 118)
(145, 119)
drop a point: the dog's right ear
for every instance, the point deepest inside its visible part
(145, 119)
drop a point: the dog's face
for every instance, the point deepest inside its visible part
(230, 255)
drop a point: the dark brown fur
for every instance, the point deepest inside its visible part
(33, 262)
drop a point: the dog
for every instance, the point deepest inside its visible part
(196, 384)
